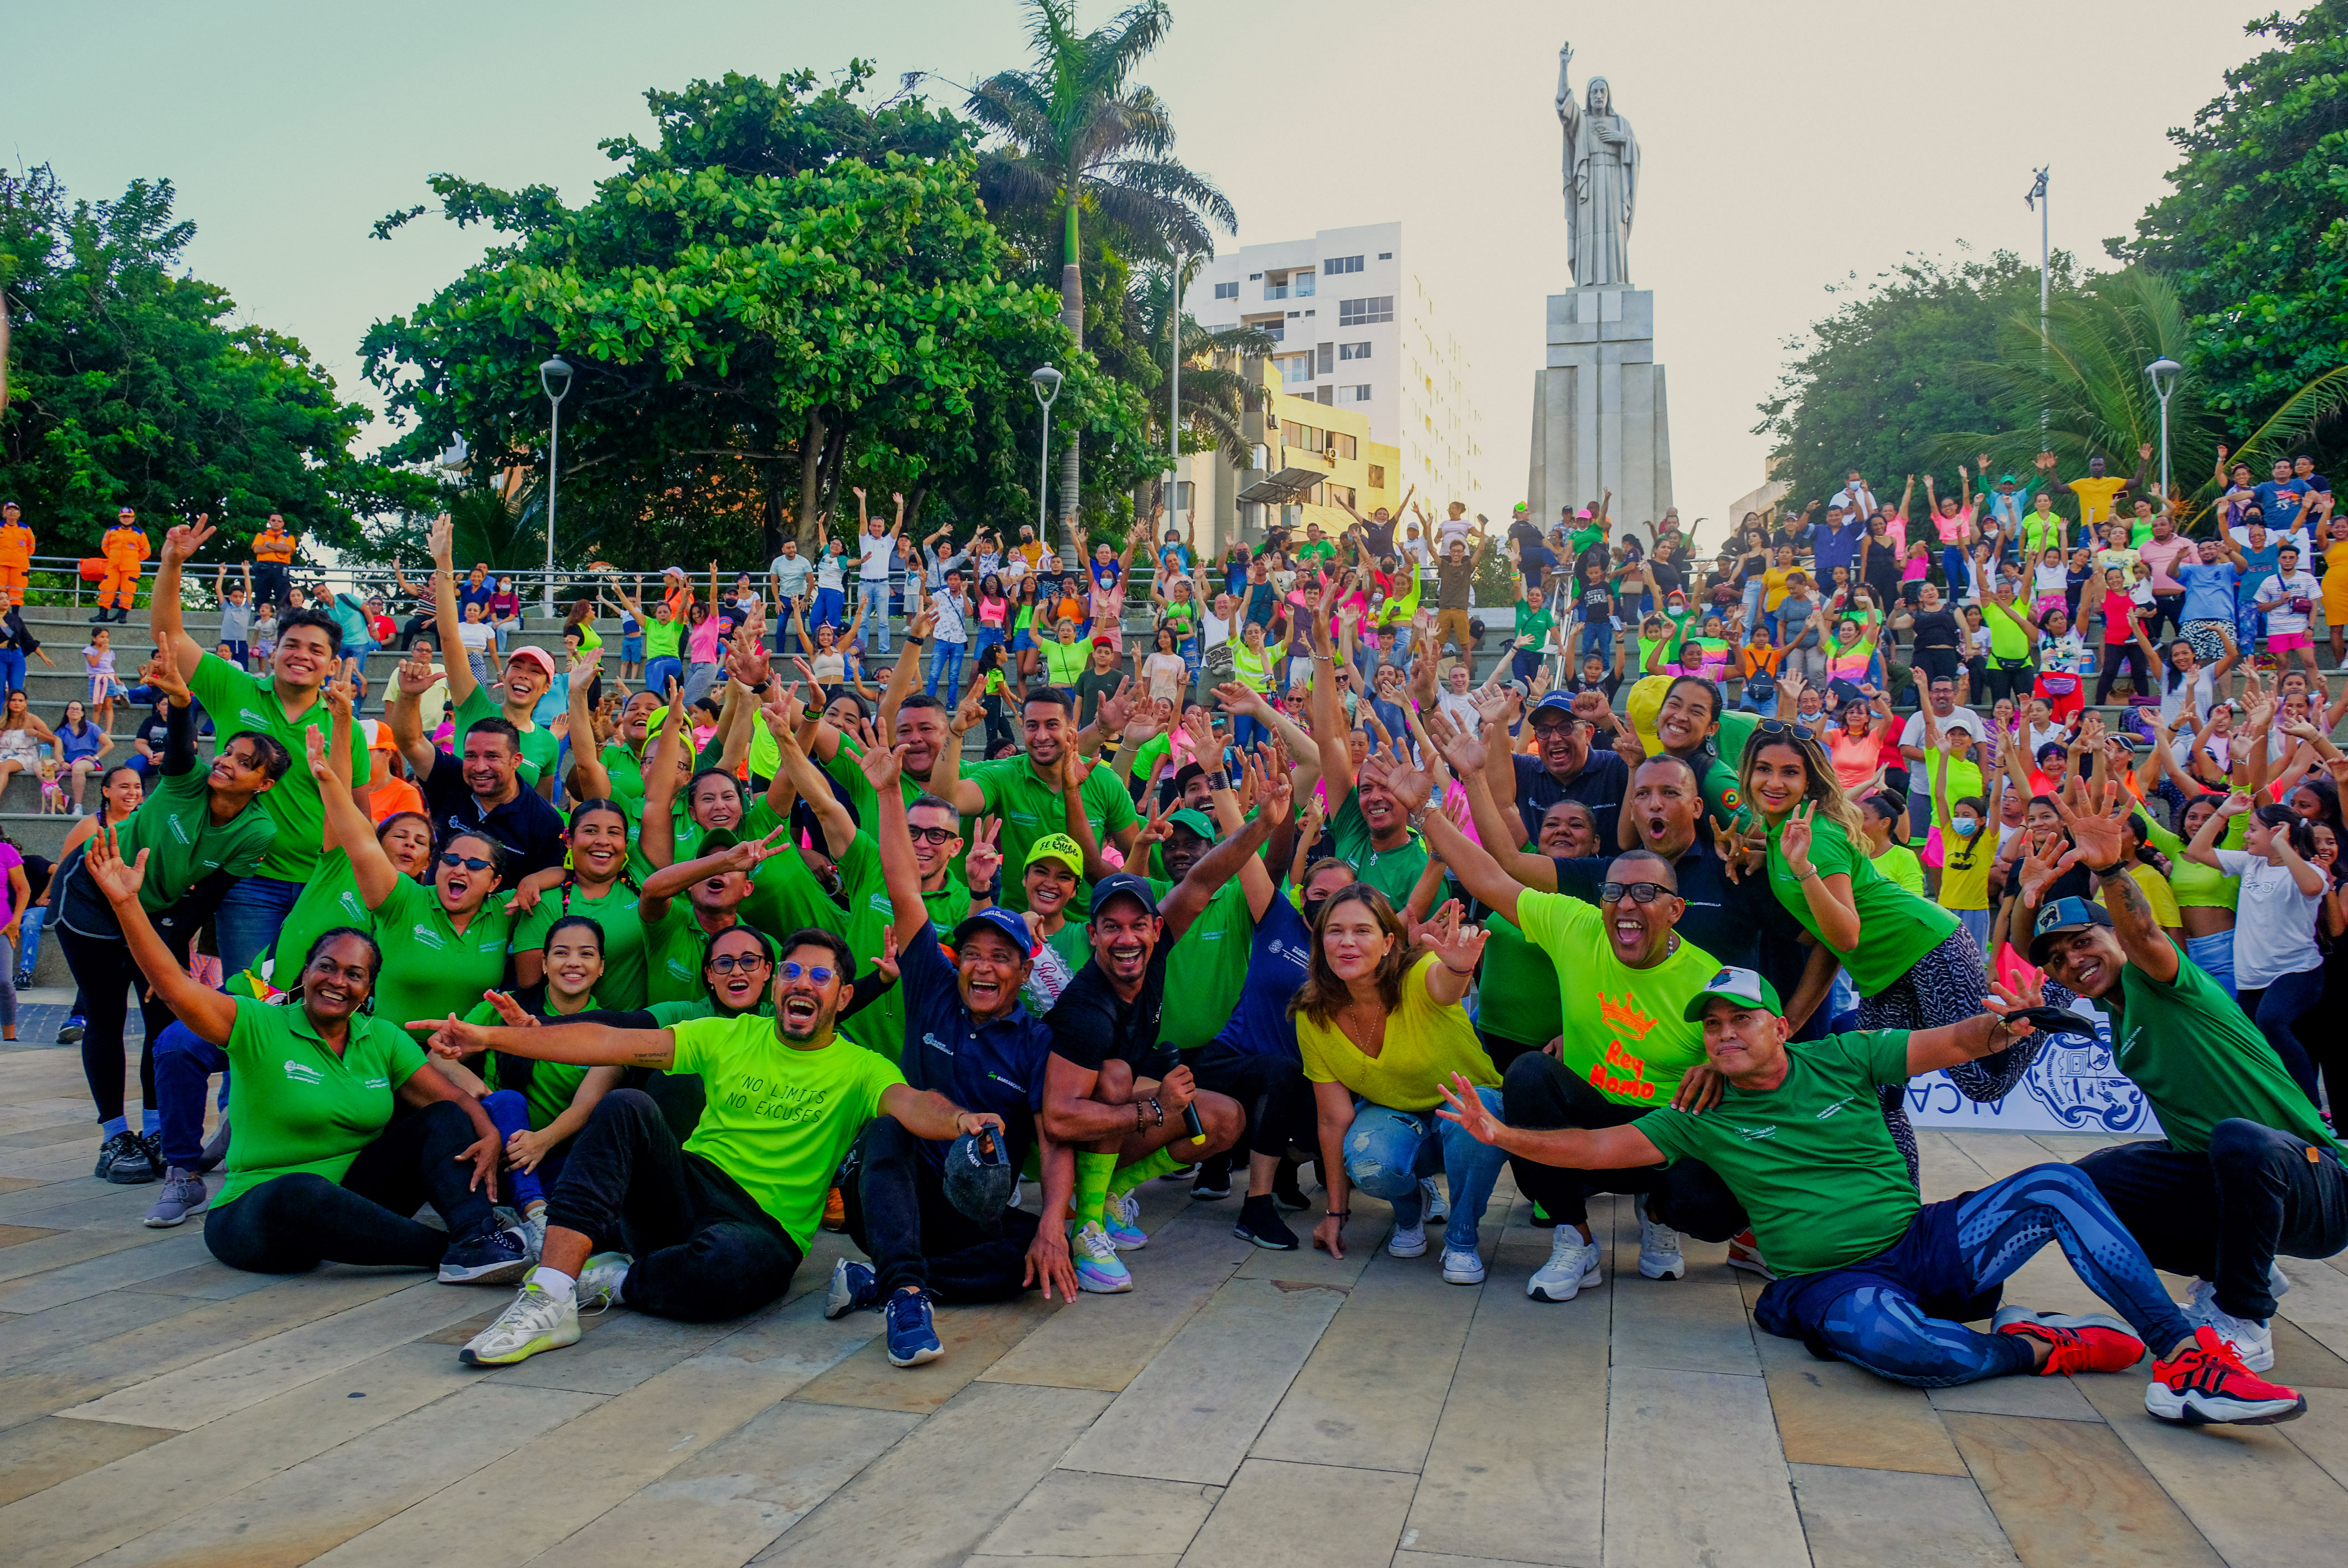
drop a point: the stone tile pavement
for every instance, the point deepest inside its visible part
(1240, 1406)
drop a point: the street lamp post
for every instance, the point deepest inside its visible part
(2164, 371)
(554, 375)
(1046, 383)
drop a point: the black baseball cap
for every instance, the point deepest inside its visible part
(1124, 883)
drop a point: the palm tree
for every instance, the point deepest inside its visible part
(1076, 133)
(2086, 380)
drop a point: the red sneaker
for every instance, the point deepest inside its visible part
(2089, 1343)
(1744, 1253)
(2206, 1384)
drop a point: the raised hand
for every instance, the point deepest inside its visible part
(103, 861)
(884, 767)
(2096, 815)
(440, 540)
(1458, 946)
(182, 541)
(887, 962)
(1115, 711)
(983, 860)
(1407, 785)
(1467, 753)
(1278, 796)
(1794, 839)
(162, 672)
(415, 676)
(1462, 1105)
(515, 1015)
(1235, 698)
(1741, 851)
(745, 856)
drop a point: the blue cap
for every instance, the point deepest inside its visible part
(1124, 883)
(1555, 702)
(2061, 916)
(1002, 920)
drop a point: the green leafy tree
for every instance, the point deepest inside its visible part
(1882, 380)
(129, 386)
(787, 291)
(1075, 134)
(2255, 234)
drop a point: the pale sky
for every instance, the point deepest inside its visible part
(1785, 146)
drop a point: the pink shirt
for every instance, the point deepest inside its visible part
(2161, 556)
(1954, 530)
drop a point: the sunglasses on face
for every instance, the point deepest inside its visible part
(1637, 892)
(748, 963)
(468, 862)
(930, 835)
(1780, 726)
(816, 972)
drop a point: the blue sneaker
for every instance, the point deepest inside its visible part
(854, 1288)
(912, 1337)
(1121, 1216)
(487, 1257)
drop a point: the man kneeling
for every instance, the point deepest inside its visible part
(713, 1229)
(1867, 1272)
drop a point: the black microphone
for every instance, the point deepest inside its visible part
(1197, 1128)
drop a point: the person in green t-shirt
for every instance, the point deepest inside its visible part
(1024, 791)
(1370, 828)
(319, 1170)
(1868, 1273)
(1914, 963)
(597, 882)
(283, 703)
(528, 676)
(2248, 1169)
(726, 1217)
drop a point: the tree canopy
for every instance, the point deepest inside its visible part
(1885, 379)
(2255, 234)
(789, 291)
(129, 386)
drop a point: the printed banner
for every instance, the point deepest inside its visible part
(2072, 1087)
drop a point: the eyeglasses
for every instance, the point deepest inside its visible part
(1780, 726)
(1637, 892)
(816, 972)
(468, 862)
(748, 963)
(930, 835)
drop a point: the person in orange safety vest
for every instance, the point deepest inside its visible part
(16, 554)
(124, 548)
(273, 563)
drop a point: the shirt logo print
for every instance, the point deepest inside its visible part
(1831, 1110)
(1754, 1134)
(426, 937)
(302, 1072)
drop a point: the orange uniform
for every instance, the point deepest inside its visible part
(16, 559)
(275, 546)
(124, 549)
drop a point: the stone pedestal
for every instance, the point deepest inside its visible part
(1599, 416)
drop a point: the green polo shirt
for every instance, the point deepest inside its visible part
(539, 748)
(237, 701)
(1030, 809)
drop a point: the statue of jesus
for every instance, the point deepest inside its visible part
(1601, 180)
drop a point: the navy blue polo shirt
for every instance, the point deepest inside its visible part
(1602, 784)
(996, 1066)
(1836, 546)
(1277, 960)
(1742, 923)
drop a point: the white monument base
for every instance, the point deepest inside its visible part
(1599, 418)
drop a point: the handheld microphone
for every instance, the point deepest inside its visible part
(1196, 1129)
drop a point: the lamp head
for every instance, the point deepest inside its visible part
(554, 375)
(2164, 371)
(1047, 382)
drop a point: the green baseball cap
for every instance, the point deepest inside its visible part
(1194, 819)
(1738, 988)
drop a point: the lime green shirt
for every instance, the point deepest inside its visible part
(1896, 928)
(539, 748)
(1624, 1033)
(237, 701)
(328, 899)
(780, 1120)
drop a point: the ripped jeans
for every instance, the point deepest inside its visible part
(1387, 1150)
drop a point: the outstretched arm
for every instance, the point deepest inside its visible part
(1573, 1148)
(211, 1014)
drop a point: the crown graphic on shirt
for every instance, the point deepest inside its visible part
(1625, 1015)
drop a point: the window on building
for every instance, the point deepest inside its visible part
(1182, 495)
(1356, 394)
(1328, 357)
(1339, 495)
(1294, 368)
(1343, 445)
(1362, 392)
(1322, 394)
(1352, 350)
(1333, 265)
(1365, 313)
(1302, 283)
(1276, 291)
(1378, 475)
(1385, 255)
(1227, 291)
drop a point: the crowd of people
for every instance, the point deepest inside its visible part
(637, 976)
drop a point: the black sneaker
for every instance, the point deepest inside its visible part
(1260, 1222)
(123, 1158)
(1287, 1191)
(487, 1257)
(1213, 1181)
(70, 1030)
(215, 1148)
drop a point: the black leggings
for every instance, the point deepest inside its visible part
(1686, 1195)
(705, 1251)
(2132, 655)
(1271, 1091)
(898, 1214)
(291, 1224)
(102, 968)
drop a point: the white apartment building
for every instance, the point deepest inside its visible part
(1359, 330)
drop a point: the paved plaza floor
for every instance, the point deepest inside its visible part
(1238, 1407)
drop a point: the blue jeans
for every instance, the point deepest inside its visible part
(12, 669)
(945, 663)
(1246, 731)
(509, 1113)
(249, 918)
(829, 609)
(2213, 954)
(984, 637)
(660, 671)
(876, 617)
(183, 1067)
(1596, 637)
(31, 955)
(1387, 1150)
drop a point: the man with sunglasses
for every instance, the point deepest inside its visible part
(1625, 975)
(1563, 767)
(715, 1226)
(968, 1037)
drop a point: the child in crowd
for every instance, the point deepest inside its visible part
(264, 637)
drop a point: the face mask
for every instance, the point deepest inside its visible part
(1964, 826)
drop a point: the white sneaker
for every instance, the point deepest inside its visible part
(1572, 1263)
(2253, 1341)
(535, 1322)
(533, 1234)
(1407, 1241)
(600, 1278)
(1462, 1266)
(1433, 1206)
(1659, 1251)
